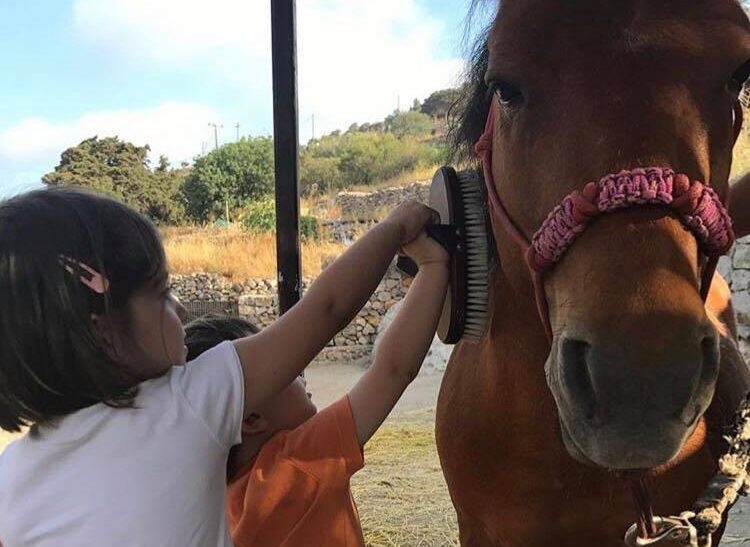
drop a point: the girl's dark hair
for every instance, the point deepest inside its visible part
(51, 362)
(212, 329)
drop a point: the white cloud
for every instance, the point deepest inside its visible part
(356, 57)
(176, 31)
(174, 129)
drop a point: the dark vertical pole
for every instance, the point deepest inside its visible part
(286, 150)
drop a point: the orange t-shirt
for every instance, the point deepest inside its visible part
(296, 492)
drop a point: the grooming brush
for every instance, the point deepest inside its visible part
(457, 197)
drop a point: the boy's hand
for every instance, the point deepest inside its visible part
(411, 217)
(424, 250)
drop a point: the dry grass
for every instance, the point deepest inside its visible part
(741, 159)
(401, 494)
(236, 254)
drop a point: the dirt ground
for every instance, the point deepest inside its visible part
(401, 495)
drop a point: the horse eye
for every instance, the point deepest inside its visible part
(507, 93)
(740, 78)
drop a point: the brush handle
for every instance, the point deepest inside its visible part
(448, 235)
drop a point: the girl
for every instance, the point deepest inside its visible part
(125, 449)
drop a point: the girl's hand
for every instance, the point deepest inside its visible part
(424, 250)
(411, 217)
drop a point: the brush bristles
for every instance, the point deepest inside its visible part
(477, 269)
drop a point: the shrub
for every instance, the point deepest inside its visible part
(336, 162)
(260, 217)
(234, 173)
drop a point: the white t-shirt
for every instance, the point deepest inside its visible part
(150, 476)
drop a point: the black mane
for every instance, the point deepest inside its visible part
(469, 113)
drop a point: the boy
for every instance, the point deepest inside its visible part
(289, 479)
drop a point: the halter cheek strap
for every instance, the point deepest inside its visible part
(696, 204)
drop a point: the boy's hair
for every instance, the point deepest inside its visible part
(211, 329)
(51, 361)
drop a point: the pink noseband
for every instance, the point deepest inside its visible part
(696, 204)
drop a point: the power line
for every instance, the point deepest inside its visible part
(216, 147)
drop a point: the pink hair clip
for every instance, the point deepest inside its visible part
(86, 274)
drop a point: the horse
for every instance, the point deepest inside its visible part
(637, 373)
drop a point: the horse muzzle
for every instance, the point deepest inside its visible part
(621, 408)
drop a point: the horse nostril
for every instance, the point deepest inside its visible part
(711, 357)
(576, 376)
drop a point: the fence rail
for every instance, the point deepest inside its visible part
(198, 308)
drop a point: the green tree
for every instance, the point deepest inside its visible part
(260, 216)
(229, 177)
(439, 103)
(319, 174)
(121, 169)
(409, 124)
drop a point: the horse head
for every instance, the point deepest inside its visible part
(589, 88)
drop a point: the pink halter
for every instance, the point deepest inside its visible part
(698, 206)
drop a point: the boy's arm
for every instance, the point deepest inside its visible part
(401, 351)
(274, 357)
(739, 206)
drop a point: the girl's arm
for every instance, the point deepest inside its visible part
(403, 347)
(274, 357)
(739, 206)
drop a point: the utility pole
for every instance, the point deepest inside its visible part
(237, 127)
(216, 134)
(216, 147)
(313, 126)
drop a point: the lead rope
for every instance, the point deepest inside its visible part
(731, 481)
(695, 528)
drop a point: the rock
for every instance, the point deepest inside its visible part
(725, 268)
(742, 257)
(741, 301)
(741, 280)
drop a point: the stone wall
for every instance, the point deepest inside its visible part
(368, 205)
(736, 270)
(345, 231)
(258, 302)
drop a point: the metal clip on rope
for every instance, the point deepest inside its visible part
(694, 529)
(671, 532)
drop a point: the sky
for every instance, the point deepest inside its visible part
(160, 71)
